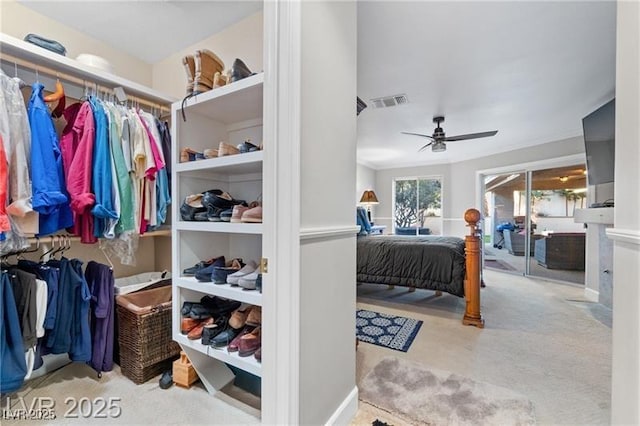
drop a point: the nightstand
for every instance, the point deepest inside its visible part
(378, 229)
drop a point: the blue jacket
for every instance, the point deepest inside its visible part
(50, 197)
(101, 179)
(12, 361)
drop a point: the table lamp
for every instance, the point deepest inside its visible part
(368, 199)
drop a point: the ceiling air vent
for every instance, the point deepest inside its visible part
(390, 101)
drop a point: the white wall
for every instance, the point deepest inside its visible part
(625, 374)
(17, 21)
(327, 186)
(242, 40)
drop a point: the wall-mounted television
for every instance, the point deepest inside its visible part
(599, 142)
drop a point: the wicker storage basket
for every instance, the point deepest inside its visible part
(144, 333)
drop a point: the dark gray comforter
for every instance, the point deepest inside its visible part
(433, 263)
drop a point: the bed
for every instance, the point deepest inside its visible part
(429, 262)
(442, 264)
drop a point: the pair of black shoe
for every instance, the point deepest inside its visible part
(219, 334)
(208, 205)
(240, 70)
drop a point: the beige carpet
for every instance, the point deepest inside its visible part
(145, 404)
(434, 397)
(541, 340)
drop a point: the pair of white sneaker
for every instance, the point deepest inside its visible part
(245, 277)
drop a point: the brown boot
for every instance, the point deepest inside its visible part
(219, 80)
(189, 63)
(207, 65)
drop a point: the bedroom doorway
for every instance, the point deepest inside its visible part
(417, 206)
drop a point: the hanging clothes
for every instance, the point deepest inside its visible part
(80, 350)
(14, 127)
(49, 190)
(101, 182)
(101, 284)
(12, 351)
(50, 276)
(77, 144)
(4, 218)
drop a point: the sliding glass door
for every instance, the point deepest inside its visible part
(417, 206)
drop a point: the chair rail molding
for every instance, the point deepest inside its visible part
(631, 236)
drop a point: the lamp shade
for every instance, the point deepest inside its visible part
(369, 197)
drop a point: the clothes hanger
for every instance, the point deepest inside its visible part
(48, 251)
(21, 83)
(19, 256)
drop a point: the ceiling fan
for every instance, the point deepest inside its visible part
(438, 138)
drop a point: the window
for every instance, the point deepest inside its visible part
(417, 208)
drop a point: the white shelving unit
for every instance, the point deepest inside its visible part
(232, 114)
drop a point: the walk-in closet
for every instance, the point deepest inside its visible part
(176, 229)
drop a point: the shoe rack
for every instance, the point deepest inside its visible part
(232, 114)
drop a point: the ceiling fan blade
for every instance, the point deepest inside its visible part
(425, 147)
(470, 136)
(417, 134)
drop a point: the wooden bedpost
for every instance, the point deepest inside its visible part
(472, 315)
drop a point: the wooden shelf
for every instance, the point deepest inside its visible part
(233, 103)
(250, 162)
(225, 227)
(252, 297)
(248, 364)
(39, 56)
(164, 232)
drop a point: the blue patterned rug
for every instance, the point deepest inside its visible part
(385, 330)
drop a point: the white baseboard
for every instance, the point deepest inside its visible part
(591, 295)
(346, 411)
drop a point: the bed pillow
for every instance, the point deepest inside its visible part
(363, 221)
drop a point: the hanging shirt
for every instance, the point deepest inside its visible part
(4, 218)
(101, 285)
(77, 144)
(80, 350)
(14, 125)
(12, 351)
(101, 179)
(125, 190)
(49, 191)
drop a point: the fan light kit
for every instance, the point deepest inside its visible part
(438, 143)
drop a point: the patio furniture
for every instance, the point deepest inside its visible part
(565, 250)
(514, 242)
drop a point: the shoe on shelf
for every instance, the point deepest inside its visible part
(207, 64)
(227, 149)
(210, 153)
(239, 70)
(199, 312)
(246, 270)
(196, 332)
(247, 146)
(259, 283)
(225, 215)
(248, 282)
(250, 343)
(236, 214)
(224, 338)
(206, 274)
(253, 215)
(238, 318)
(189, 63)
(219, 80)
(220, 273)
(187, 324)
(233, 345)
(219, 306)
(213, 329)
(166, 380)
(213, 214)
(191, 205)
(195, 268)
(186, 308)
(255, 316)
(188, 154)
(258, 354)
(219, 198)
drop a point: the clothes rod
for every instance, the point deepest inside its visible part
(86, 84)
(163, 232)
